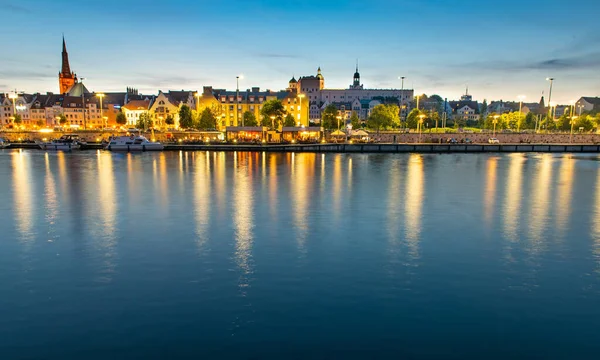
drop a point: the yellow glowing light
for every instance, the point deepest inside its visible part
(180, 140)
(293, 141)
(46, 130)
(234, 140)
(45, 139)
(97, 139)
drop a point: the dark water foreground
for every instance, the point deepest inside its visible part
(299, 256)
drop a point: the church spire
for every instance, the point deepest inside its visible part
(66, 68)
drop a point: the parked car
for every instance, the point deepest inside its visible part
(493, 141)
(451, 141)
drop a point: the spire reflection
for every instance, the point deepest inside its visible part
(23, 197)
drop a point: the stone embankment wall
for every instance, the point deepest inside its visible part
(383, 137)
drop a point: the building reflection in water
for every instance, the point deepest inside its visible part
(490, 190)
(202, 200)
(415, 184)
(220, 181)
(540, 202)
(23, 196)
(512, 196)
(337, 187)
(273, 182)
(564, 189)
(107, 201)
(243, 219)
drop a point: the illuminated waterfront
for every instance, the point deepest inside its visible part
(259, 255)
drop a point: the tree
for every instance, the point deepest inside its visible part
(145, 121)
(584, 122)
(62, 119)
(383, 116)
(121, 118)
(185, 117)
(249, 119)
(484, 106)
(412, 120)
(169, 120)
(329, 117)
(275, 109)
(208, 120)
(529, 122)
(18, 119)
(355, 121)
(289, 120)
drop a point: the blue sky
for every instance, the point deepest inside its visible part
(500, 50)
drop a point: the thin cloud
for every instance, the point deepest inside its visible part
(15, 8)
(580, 62)
(18, 74)
(277, 56)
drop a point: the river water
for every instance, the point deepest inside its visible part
(298, 256)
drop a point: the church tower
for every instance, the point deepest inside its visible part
(66, 78)
(356, 79)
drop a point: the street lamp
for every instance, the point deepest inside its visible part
(237, 100)
(101, 96)
(402, 95)
(550, 97)
(495, 121)
(301, 96)
(418, 97)
(13, 96)
(420, 125)
(521, 98)
(197, 95)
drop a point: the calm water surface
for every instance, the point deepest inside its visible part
(273, 256)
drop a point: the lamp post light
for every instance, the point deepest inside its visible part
(401, 95)
(420, 125)
(100, 96)
(301, 96)
(495, 121)
(237, 100)
(521, 98)
(13, 96)
(550, 99)
(418, 97)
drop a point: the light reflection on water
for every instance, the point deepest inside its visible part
(303, 239)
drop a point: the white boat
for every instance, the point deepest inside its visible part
(65, 142)
(133, 143)
(4, 144)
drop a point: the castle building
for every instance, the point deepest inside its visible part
(356, 98)
(66, 78)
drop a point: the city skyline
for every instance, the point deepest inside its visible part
(499, 54)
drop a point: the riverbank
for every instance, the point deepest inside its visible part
(372, 148)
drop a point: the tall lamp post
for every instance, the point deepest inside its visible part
(301, 96)
(100, 96)
(402, 96)
(420, 125)
(495, 121)
(572, 121)
(237, 99)
(521, 98)
(549, 99)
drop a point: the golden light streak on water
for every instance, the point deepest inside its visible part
(202, 199)
(540, 202)
(336, 186)
(490, 190)
(50, 195)
(273, 182)
(243, 220)
(414, 195)
(513, 196)
(23, 201)
(107, 201)
(301, 192)
(564, 189)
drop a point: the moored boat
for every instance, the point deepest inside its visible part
(133, 143)
(65, 143)
(3, 143)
